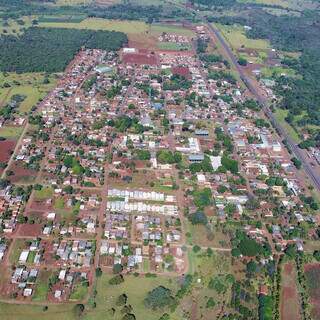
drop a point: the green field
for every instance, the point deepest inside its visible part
(287, 4)
(12, 27)
(44, 193)
(280, 115)
(101, 24)
(269, 72)
(160, 28)
(10, 132)
(129, 27)
(173, 46)
(30, 85)
(136, 288)
(237, 38)
(79, 292)
(25, 312)
(42, 288)
(18, 246)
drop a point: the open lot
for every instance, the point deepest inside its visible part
(312, 272)
(289, 299)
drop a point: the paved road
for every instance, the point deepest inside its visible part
(311, 172)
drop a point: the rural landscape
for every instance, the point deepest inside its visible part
(160, 160)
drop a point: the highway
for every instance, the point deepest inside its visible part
(298, 153)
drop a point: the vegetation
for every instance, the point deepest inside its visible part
(50, 50)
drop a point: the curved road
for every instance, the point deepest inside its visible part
(311, 172)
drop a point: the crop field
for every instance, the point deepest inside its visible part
(312, 272)
(289, 299)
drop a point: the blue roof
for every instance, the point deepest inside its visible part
(157, 105)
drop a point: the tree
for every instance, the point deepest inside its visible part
(249, 247)
(117, 268)
(198, 218)
(210, 303)
(159, 297)
(296, 162)
(251, 267)
(78, 309)
(98, 272)
(242, 61)
(122, 300)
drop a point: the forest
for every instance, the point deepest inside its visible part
(50, 50)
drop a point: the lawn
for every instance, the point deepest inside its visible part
(237, 38)
(136, 288)
(24, 312)
(9, 132)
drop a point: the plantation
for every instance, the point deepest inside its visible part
(50, 50)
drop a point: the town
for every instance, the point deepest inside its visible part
(136, 161)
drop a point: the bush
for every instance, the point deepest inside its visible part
(116, 280)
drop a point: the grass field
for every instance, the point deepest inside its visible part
(44, 193)
(236, 36)
(173, 46)
(10, 132)
(79, 292)
(12, 27)
(287, 4)
(136, 288)
(30, 85)
(25, 312)
(18, 246)
(268, 72)
(42, 288)
(280, 115)
(128, 27)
